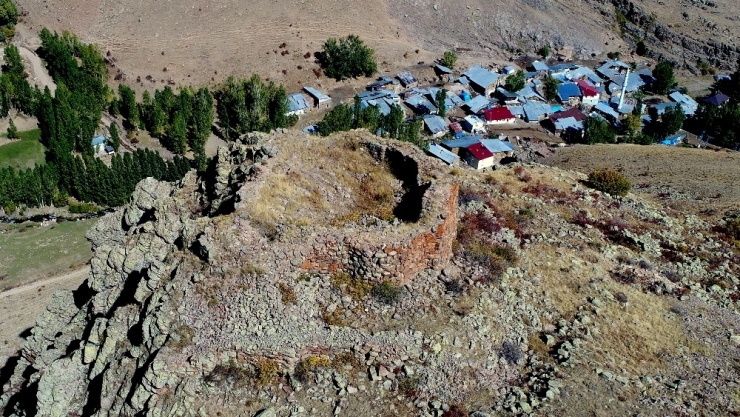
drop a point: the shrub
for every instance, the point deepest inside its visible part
(408, 386)
(266, 372)
(610, 182)
(306, 369)
(733, 228)
(287, 295)
(355, 288)
(387, 293)
(83, 208)
(449, 58)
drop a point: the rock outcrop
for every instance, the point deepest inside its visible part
(485, 293)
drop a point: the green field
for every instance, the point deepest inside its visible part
(29, 251)
(23, 153)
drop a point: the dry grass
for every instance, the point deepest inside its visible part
(694, 180)
(338, 182)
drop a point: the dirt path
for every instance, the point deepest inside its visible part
(80, 273)
(38, 72)
(21, 306)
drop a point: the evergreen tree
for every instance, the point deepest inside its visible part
(596, 130)
(115, 139)
(178, 134)
(12, 131)
(439, 101)
(551, 88)
(200, 127)
(129, 108)
(664, 78)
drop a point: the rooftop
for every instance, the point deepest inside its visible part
(497, 114)
(477, 104)
(568, 90)
(442, 153)
(479, 151)
(481, 76)
(297, 101)
(435, 124)
(716, 99)
(318, 95)
(98, 140)
(497, 145)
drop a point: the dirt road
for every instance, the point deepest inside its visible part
(80, 273)
(19, 308)
(39, 76)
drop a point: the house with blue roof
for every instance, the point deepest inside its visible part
(483, 80)
(435, 125)
(98, 144)
(540, 66)
(606, 111)
(297, 104)
(569, 93)
(477, 104)
(535, 111)
(421, 105)
(442, 153)
(321, 100)
(688, 104)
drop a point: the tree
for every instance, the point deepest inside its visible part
(551, 88)
(439, 101)
(115, 138)
(178, 134)
(129, 108)
(200, 125)
(515, 81)
(671, 121)
(449, 59)
(597, 130)
(348, 58)
(639, 98)
(664, 78)
(8, 13)
(12, 131)
(544, 51)
(632, 123)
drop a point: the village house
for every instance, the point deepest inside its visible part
(539, 66)
(435, 125)
(321, 100)
(516, 110)
(717, 99)
(688, 104)
(483, 80)
(457, 130)
(407, 79)
(498, 115)
(297, 104)
(535, 111)
(499, 148)
(506, 97)
(385, 83)
(420, 105)
(473, 124)
(574, 113)
(569, 93)
(606, 111)
(478, 156)
(477, 104)
(98, 144)
(589, 94)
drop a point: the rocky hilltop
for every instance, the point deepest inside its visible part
(354, 276)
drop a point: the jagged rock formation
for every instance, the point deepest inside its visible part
(508, 292)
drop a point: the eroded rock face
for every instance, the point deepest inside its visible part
(115, 346)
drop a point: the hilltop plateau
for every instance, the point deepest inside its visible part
(351, 275)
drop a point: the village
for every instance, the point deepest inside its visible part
(479, 108)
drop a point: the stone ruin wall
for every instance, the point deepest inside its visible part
(430, 246)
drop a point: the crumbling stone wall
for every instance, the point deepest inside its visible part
(400, 261)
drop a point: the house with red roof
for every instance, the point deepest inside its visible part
(478, 156)
(498, 115)
(589, 94)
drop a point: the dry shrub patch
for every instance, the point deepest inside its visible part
(266, 372)
(545, 192)
(474, 244)
(308, 367)
(387, 293)
(408, 386)
(287, 294)
(347, 285)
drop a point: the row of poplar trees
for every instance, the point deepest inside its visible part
(68, 122)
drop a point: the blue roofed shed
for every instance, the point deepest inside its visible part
(435, 125)
(461, 143)
(297, 104)
(442, 153)
(477, 104)
(568, 92)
